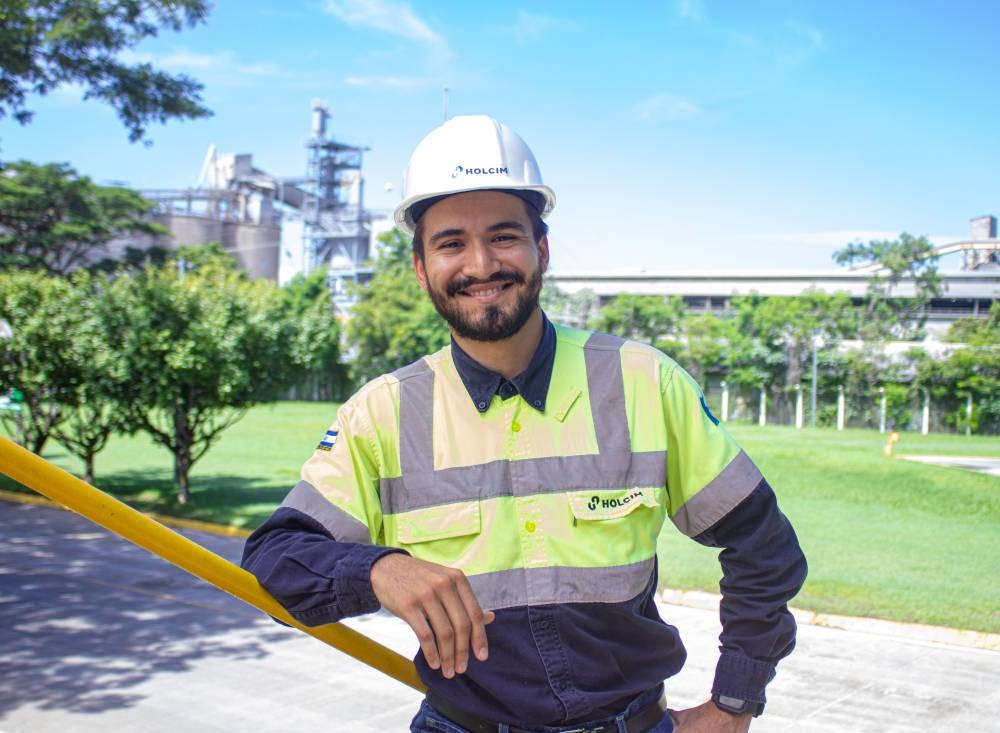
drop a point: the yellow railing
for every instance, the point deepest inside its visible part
(38, 474)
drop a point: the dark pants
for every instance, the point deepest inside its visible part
(429, 720)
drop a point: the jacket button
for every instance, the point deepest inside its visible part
(516, 427)
(530, 526)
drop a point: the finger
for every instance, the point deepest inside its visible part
(425, 636)
(456, 599)
(479, 618)
(444, 635)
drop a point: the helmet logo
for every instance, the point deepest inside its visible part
(459, 170)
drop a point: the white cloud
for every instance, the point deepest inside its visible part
(531, 26)
(401, 83)
(665, 106)
(182, 59)
(691, 10)
(395, 18)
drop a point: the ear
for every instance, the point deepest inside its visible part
(543, 253)
(419, 271)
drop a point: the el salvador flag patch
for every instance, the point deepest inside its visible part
(328, 440)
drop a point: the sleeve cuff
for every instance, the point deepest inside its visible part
(353, 584)
(741, 677)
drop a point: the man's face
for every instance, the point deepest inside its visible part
(481, 266)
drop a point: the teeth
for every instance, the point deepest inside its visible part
(484, 293)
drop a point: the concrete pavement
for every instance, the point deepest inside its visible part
(97, 635)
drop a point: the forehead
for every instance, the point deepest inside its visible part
(474, 209)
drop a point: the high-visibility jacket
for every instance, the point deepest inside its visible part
(535, 508)
(553, 511)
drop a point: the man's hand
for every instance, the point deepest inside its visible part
(707, 718)
(438, 604)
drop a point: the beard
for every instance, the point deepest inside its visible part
(495, 323)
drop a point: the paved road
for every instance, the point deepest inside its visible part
(97, 635)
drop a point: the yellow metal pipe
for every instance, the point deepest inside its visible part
(38, 474)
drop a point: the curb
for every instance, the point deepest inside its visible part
(911, 632)
(223, 530)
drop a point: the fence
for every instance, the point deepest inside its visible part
(800, 408)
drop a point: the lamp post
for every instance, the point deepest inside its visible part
(816, 343)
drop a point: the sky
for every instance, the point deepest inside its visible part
(678, 135)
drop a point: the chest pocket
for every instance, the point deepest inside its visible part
(439, 534)
(615, 527)
(595, 506)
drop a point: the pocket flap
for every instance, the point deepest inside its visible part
(439, 523)
(605, 504)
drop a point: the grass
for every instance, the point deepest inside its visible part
(885, 538)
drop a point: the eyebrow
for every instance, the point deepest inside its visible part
(499, 226)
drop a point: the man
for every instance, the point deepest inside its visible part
(504, 496)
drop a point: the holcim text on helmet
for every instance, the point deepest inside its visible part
(459, 170)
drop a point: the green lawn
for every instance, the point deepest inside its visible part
(884, 538)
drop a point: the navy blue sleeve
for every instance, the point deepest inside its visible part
(763, 567)
(316, 578)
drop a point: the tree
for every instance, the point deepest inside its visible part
(394, 322)
(90, 412)
(55, 220)
(646, 318)
(43, 358)
(201, 347)
(886, 315)
(44, 45)
(314, 343)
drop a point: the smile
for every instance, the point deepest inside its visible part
(484, 291)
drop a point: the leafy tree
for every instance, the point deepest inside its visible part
(44, 45)
(394, 322)
(886, 315)
(43, 358)
(55, 220)
(972, 371)
(201, 347)
(646, 318)
(91, 413)
(704, 344)
(772, 337)
(315, 339)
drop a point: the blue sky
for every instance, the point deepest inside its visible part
(678, 135)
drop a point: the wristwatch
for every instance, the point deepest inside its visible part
(736, 706)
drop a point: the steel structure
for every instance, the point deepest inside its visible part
(335, 225)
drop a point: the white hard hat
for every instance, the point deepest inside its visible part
(470, 153)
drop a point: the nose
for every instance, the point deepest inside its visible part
(481, 261)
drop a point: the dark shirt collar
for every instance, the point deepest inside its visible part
(532, 384)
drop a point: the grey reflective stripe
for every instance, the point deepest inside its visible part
(523, 478)
(341, 525)
(416, 424)
(615, 466)
(723, 494)
(535, 586)
(607, 398)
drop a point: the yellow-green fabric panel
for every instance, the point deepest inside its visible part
(644, 372)
(594, 528)
(348, 474)
(698, 450)
(509, 429)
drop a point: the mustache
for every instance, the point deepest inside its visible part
(500, 276)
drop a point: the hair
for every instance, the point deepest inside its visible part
(538, 229)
